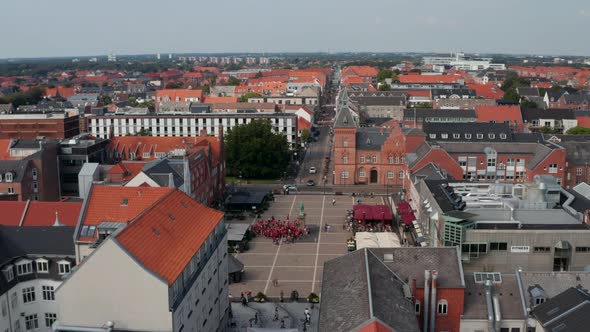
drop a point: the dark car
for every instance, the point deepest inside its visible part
(310, 183)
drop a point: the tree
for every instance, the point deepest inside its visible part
(528, 104)
(244, 98)
(578, 130)
(253, 150)
(258, 75)
(30, 97)
(383, 74)
(143, 132)
(105, 100)
(173, 85)
(305, 135)
(548, 130)
(384, 87)
(233, 81)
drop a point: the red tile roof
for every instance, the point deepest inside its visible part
(181, 94)
(487, 91)
(43, 213)
(499, 114)
(303, 124)
(375, 326)
(106, 203)
(419, 93)
(429, 78)
(127, 169)
(211, 99)
(151, 144)
(12, 212)
(4, 146)
(166, 236)
(364, 71)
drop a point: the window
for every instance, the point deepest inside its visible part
(491, 136)
(479, 136)
(48, 293)
(362, 174)
(432, 136)
(28, 294)
(541, 249)
(582, 249)
(8, 177)
(345, 143)
(64, 267)
(491, 161)
(553, 168)
(539, 300)
(401, 174)
(24, 267)
(456, 136)
(8, 273)
(509, 162)
(42, 266)
(10, 190)
(146, 154)
(468, 136)
(417, 307)
(31, 322)
(13, 301)
(444, 136)
(390, 159)
(34, 173)
(362, 159)
(442, 307)
(502, 136)
(389, 174)
(374, 159)
(344, 175)
(500, 246)
(50, 318)
(345, 159)
(579, 171)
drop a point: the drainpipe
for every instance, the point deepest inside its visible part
(497, 312)
(426, 298)
(490, 306)
(433, 301)
(108, 327)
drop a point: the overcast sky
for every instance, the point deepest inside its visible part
(32, 28)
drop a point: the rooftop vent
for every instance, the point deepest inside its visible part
(124, 202)
(156, 232)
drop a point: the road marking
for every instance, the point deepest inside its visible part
(278, 249)
(317, 251)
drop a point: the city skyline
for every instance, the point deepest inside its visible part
(68, 28)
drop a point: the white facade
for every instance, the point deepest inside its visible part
(136, 299)
(16, 315)
(178, 126)
(459, 61)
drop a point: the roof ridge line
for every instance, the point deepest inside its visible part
(371, 314)
(149, 208)
(26, 209)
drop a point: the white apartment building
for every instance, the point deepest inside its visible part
(461, 62)
(164, 270)
(33, 261)
(178, 125)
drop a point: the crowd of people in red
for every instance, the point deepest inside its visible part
(288, 231)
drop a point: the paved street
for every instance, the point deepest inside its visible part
(297, 266)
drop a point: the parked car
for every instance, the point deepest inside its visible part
(310, 183)
(312, 170)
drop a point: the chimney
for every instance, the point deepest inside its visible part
(57, 222)
(490, 305)
(171, 180)
(433, 301)
(426, 298)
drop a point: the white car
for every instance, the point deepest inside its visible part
(312, 170)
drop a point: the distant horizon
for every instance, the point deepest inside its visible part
(65, 28)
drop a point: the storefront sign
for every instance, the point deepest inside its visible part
(520, 249)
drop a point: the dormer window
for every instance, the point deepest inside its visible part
(479, 136)
(8, 273)
(456, 136)
(34, 173)
(432, 136)
(42, 265)
(146, 154)
(24, 267)
(64, 267)
(467, 136)
(390, 159)
(8, 177)
(539, 300)
(492, 136)
(502, 136)
(444, 136)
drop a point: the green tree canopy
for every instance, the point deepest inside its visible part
(173, 85)
(384, 87)
(578, 131)
(255, 151)
(233, 81)
(30, 97)
(305, 135)
(244, 98)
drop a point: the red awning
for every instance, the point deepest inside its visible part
(372, 212)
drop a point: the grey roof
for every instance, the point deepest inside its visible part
(554, 95)
(549, 284)
(34, 241)
(379, 101)
(17, 167)
(526, 92)
(580, 203)
(371, 138)
(358, 288)
(421, 113)
(392, 93)
(567, 138)
(5, 108)
(344, 119)
(160, 170)
(492, 132)
(234, 265)
(530, 114)
(577, 99)
(567, 311)
(449, 92)
(419, 153)
(25, 144)
(475, 305)
(430, 171)
(540, 101)
(577, 153)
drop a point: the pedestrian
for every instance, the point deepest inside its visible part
(333, 201)
(308, 318)
(281, 296)
(304, 327)
(282, 323)
(255, 318)
(306, 311)
(244, 301)
(276, 314)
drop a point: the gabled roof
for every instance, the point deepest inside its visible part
(117, 204)
(530, 114)
(499, 114)
(568, 311)
(527, 92)
(44, 213)
(21, 241)
(429, 78)
(344, 119)
(166, 236)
